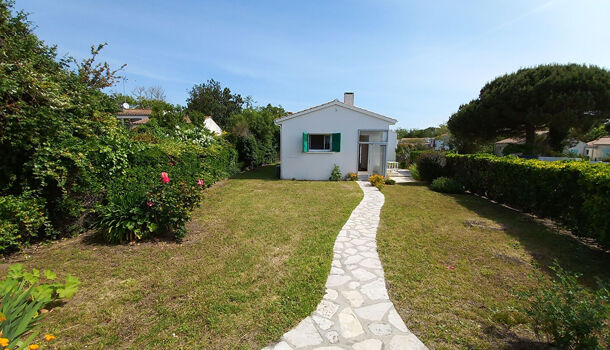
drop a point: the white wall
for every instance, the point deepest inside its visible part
(211, 125)
(392, 144)
(318, 165)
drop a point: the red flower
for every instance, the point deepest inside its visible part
(449, 267)
(150, 204)
(200, 182)
(164, 177)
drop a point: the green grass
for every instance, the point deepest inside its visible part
(253, 264)
(474, 306)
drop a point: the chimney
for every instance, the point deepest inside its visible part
(348, 98)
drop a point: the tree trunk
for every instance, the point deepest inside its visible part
(530, 138)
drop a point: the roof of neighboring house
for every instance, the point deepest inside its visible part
(413, 140)
(519, 140)
(135, 112)
(140, 121)
(334, 103)
(602, 141)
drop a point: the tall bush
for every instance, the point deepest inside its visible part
(431, 164)
(574, 193)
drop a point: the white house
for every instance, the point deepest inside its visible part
(313, 140)
(598, 149)
(211, 125)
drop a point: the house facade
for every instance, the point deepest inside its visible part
(312, 141)
(598, 149)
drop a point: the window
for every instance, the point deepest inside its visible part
(319, 142)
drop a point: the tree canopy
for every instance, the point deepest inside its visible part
(255, 134)
(557, 98)
(419, 133)
(210, 98)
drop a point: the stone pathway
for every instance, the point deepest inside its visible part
(401, 176)
(356, 312)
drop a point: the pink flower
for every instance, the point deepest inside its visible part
(200, 182)
(150, 204)
(164, 177)
(171, 163)
(449, 267)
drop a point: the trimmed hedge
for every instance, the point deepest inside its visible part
(573, 193)
(431, 164)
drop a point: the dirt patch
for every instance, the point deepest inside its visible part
(484, 224)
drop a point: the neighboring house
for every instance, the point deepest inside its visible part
(134, 117)
(440, 143)
(598, 149)
(501, 145)
(211, 125)
(576, 147)
(312, 141)
(138, 116)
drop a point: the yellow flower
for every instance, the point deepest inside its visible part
(49, 337)
(33, 347)
(2, 317)
(3, 342)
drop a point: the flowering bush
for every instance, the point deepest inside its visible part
(156, 195)
(377, 180)
(140, 213)
(351, 177)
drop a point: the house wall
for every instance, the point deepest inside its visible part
(499, 148)
(578, 148)
(392, 144)
(211, 125)
(598, 152)
(318, 165)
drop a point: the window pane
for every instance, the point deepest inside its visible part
(373, 136)
(319, 142)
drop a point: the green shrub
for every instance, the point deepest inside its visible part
(23, 219)
(377, 180)
(414, 172)
(60, 138)
(389, 181)
(447, 185)
(573, 193)
(570, 316)
(335, 175)
(431, 164)
(414, 156)
(23, 297)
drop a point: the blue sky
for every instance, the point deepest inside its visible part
(416, 61)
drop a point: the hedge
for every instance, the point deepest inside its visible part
(414, 155)
(573, 193)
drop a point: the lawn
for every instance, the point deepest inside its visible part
(253, 264)
(492, 248)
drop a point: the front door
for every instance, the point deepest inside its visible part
(363, 157)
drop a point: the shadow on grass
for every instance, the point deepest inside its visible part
(543, 243)
(266, 172)
(97, 238)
